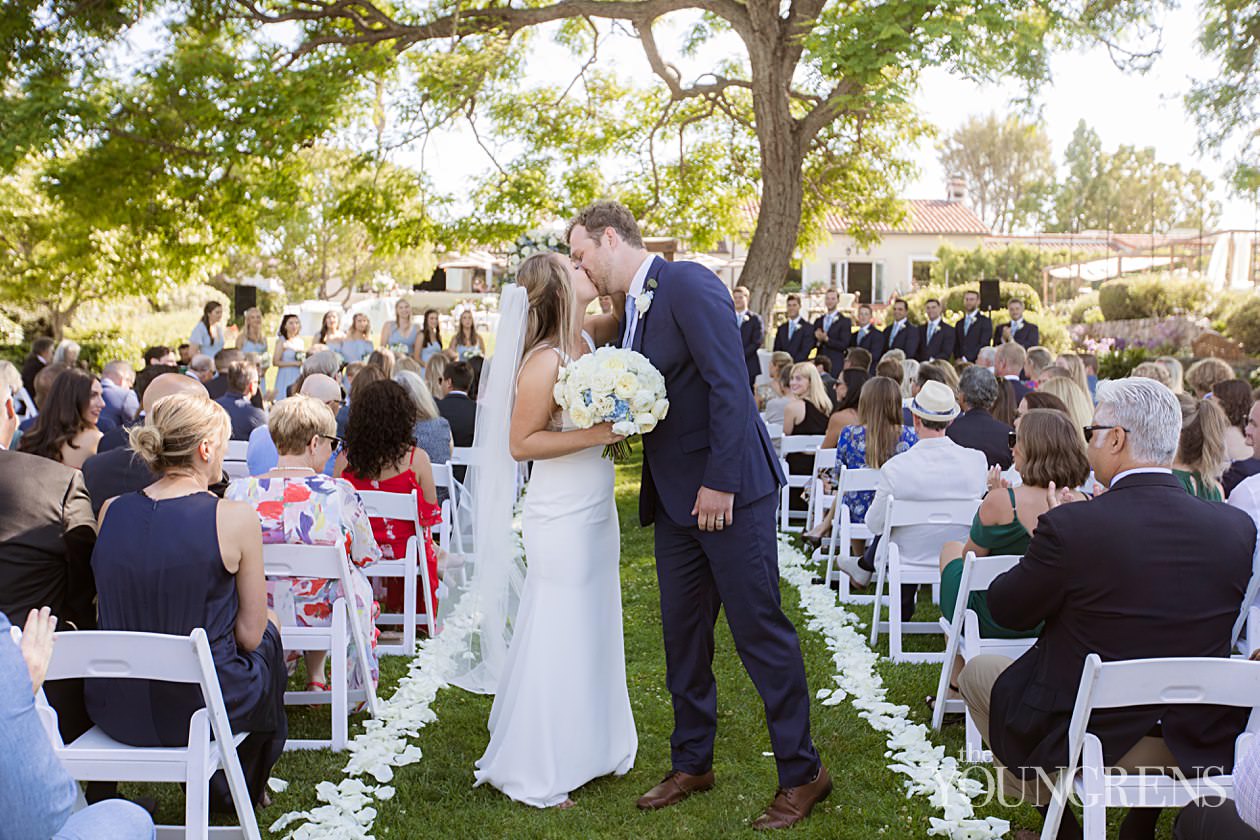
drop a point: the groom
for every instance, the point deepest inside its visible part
(710, 482)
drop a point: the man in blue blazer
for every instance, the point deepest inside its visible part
(1024, 333)
(710, 485)
(868, 336)
(794, 335)
(752, 331)
(901, 334)
(938, 337)
(973, 330)
(833, 331)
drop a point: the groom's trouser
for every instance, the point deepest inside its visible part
(738, 567)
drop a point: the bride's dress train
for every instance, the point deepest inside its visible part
(561, 716)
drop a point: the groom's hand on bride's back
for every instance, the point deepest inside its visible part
(714, 510)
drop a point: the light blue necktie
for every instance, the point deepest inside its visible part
(931, 330)
(827, 322)
(967, 324)
(791, 329)
(625, 341)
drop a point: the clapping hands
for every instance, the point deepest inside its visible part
(995, 481)
(37, 643)
(1056, 496)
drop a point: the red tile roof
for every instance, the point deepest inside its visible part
(924, 216)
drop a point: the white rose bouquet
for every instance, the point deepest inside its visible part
(613, 385)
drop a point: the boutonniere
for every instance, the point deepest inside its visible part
(643, 301)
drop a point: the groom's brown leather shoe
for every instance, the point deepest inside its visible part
(791, 805)
(673, 789)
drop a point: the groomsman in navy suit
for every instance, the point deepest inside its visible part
(794, 336)
(833, 331)
(973, 330)
(901, 334)
(1023, 333)
(868, 336)
(938, 336)
(751, 331)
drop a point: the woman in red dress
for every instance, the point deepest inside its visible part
(380, 454)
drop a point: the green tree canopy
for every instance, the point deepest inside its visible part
(1007, 165)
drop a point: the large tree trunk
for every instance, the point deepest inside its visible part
(774, 239)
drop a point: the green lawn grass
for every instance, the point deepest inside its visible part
(435, 797)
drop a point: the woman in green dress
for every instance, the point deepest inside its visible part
(1048, 452)
(1201, 458)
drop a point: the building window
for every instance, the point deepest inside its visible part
(880, 294)
(835, 268)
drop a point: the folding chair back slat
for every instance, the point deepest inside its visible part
(404, 507)
(145, 656)
(844, 530)
(792, 445)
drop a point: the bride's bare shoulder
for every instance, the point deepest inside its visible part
(539, 368)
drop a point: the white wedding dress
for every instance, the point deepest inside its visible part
(561, 715)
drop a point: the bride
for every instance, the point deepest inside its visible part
(561, 715)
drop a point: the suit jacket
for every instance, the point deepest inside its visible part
(872, 342)
(112, 473)
(1019, 390)
(967, 344)
(838, 338)
(217, 387)
(30, 369)
(978, 429)
(752, 332)
(461, 412)
(121, 406)
(245, 417)
(907, 340)
(941, 345)
(1027, 337)
(801, 342)
(1108, 577)
(47, 534)
(712, 436)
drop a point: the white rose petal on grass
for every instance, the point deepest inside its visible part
(277, 785)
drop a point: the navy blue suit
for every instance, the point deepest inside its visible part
(872, 342)
(939, 346)
(906, 340)
(751, 333)
(713, 437)
(798, 344)
(838, 338)
(1027, 337)
(967, 343)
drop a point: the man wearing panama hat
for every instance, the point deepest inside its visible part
(934, 469)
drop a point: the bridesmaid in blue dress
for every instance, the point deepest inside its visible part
(357, 345)
(251, 339)
(467, 341)
(287, 356)
(401, 333)
(208, 337)
(431, 337)
(173, 557)
(330, 334)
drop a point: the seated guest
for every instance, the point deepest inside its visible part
(38, 795)
(765, 382)
(1055, 372)
(1200, 460)
(434, 373)
(237, 400)
(185, 354)
(1203, 376)
(1037, 361)
(934, 469)
(848, 394)
(890, 367)
(1077, 400)
(858, 358)
(975, 428)
(987, 357)
(909, 376)
(808, 412)
(382, 358)
(40, 357)
(794, 336)
(117, 471)
(876, 437)
(1153, 370)
(1008, 363)
(261, 455)
(297, 504)
(432, 432)
(121, 403)
(824, 371)
(1249, 466)
(1048, 451)
(218, 386)
(365, 377)
(381, 454)
(1234, 398)
(773, 414)
(173, 557)
(1175, 372)
(946, 370)
(201, 368)
(157, 361)
(1075, 366)
(23, 403)
(1037, 399)
(43, 384)
(1108, 577)
(65, 429)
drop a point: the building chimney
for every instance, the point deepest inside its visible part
(956, 189)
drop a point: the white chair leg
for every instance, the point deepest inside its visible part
(340, 679)
(880, 565)
(975, 744)
(197, 779)
(894, 616)
(409, 604)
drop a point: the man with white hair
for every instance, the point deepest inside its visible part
(201, 368)
(987, 358)
(262, 456)
(121, 403)
(1143, 570)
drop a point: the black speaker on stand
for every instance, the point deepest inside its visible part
(243, 298)
(990, 295)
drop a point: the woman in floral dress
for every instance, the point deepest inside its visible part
(298, 504)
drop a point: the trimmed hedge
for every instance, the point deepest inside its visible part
(1243, 324)
(1151, 296)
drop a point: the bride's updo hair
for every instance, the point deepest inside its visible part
(552, 301)
(174, 429)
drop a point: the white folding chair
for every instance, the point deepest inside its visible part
(953, 517)
(844, 530)
(94, 756)
(791, 445)
(1143, 682)
(962, 638)
(819, 503)
(329, 562)
(234, 463)
(403, 507)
